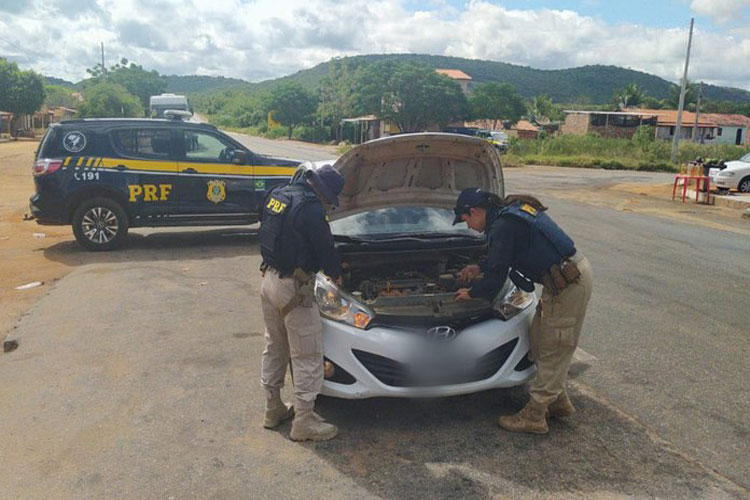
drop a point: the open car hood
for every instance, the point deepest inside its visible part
(425, 169)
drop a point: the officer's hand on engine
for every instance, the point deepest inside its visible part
(468, 273)
(463, 294)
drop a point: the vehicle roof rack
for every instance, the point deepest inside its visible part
(177, 114)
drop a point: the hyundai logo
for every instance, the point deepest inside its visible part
(441, 333)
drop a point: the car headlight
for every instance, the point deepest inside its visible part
(513, 302)
(337, 305)
(724, 173)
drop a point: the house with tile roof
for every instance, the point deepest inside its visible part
(710, 128)
(459, 76)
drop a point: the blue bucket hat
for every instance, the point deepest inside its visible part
(469, 198)
(329, 182)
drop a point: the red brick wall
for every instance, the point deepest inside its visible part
(575, 124)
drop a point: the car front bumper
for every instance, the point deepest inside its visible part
(724, 182)
(487, 355)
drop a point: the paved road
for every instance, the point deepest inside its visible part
(137, 377)
(287, 149)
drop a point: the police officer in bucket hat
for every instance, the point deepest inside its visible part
(296, 243)
(525, 243)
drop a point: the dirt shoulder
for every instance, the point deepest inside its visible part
(22, 243)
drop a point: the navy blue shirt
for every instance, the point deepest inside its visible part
(507, 237)
(316, 251)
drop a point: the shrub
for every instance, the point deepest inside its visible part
(311, 133)
(644, 136)
(277, 133)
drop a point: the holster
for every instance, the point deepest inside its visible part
(304, 284)
(558, 277)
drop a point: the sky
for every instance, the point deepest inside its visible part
(261, 39)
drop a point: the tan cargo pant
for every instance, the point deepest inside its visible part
(555, 331)
(298, 335)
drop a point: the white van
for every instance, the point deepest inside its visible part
(160, 103)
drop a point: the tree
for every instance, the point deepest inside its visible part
(628, 96)
(21, 92)
(413, 96)
(109, 100)
(691, 95)
(652, 103)
(136, 80)
(336, 95)
(541, 106)
(497, 101)
(291, 105)
(57, 95)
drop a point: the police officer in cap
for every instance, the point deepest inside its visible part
(525, 243)
(296, 243)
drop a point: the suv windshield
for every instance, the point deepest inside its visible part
(400, 221)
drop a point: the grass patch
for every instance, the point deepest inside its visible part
(591, 151)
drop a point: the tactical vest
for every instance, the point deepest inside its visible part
(279, 241)
(548, 244)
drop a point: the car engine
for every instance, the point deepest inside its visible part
(431, 278)
(412, 287)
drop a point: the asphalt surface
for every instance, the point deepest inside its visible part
(137, 377)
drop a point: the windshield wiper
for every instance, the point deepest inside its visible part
(349, 239)
(429, 236)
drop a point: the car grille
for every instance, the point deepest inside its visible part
(396, 374)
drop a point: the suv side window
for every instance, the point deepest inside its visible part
(150, 143)
(200, 146)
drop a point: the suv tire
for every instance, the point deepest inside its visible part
(100, 224)
(744, 185)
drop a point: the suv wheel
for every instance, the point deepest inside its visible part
(100, 224)
(744, 185)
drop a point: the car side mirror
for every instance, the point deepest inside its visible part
(240, 157)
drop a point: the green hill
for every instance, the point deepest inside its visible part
(585, 84)
(51, 80)
(192, 84)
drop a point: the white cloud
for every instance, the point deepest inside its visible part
(722, 11)
(269, 38)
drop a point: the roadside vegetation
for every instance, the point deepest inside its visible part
(642, 152)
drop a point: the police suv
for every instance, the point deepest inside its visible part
(104, 176)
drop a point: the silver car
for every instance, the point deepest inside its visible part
(393, 327)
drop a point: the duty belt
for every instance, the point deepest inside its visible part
(559, 276)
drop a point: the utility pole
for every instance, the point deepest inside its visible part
(678, 125)
(697, 112)
(103, 70)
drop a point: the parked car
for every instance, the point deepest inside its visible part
(104, 176)
(497, 139)
(736, 175)
(393, 327)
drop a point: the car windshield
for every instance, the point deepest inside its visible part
(400, 222)
(746, 158)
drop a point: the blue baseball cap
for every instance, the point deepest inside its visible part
(469, 198)
(329, 182)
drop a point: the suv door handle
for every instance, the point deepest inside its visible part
(121, 167)
(189, 171)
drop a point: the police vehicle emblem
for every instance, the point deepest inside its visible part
(216, 191)
(74, 141)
